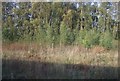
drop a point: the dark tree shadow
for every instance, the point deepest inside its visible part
(17, 69)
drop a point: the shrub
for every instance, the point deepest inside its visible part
(70, 37)
(79, 36)
(49, 34)
(88, 38)
(106, 40)
(63, 34)
(91, 38)
(9, 34)
(40, 35)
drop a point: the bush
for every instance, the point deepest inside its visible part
(70, 37)
(9, 34)
(88, 38)
(63, 34)
(91, 38)
(49, 34)
(106, 40)
(80, 35)
(40, 36)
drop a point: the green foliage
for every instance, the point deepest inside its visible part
(50, 35)
(70, 37)
(91, 38)
(80, 35)
(88, 38)
(106, 40)
(59, 23)
(27, 38)
(9, 34)
(6, 34)
(63, 34)
(40, 35)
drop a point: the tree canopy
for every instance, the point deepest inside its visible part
(60, 22)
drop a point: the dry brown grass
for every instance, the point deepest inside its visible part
(98, 49)
(80, 59)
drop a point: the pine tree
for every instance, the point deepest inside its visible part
(50, 35)
(63, 34)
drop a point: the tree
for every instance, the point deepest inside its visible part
(8, 30)
(63, 34)
(50, 35)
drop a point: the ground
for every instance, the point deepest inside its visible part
(33, 61)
